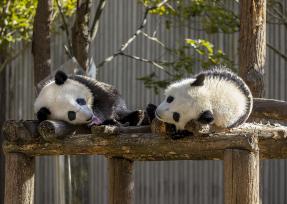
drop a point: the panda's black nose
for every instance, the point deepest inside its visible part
(176, 116)
(72, 115)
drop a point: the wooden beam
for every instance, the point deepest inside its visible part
(19, 178)
(110, 141)
(121, 181)
(241, 177)
(269, 109)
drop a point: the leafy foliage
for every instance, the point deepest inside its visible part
(213, 18)
(197, 51)
(16, 22)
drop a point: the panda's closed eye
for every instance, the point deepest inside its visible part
(169, 99)
(81, 101)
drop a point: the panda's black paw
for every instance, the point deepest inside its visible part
(134, 118)
(181, 134)
(150, 110)
(177, 134)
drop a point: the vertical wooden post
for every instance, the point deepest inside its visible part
(121, 182)
(241, 177)
(252, 44)
(19, 179)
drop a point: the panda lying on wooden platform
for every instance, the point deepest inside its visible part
(217, 97)
(81, 100)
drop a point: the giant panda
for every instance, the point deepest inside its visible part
(78, 99)
(217, 96)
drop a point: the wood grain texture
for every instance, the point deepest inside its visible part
(121, 181)
(241, 177)
(269, 109)
(252, 44)
(19, 179)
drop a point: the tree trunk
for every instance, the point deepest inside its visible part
(41, 41)
(121, 182)
(80, 33)
(19, 182)
(252, 44)
(2, 119)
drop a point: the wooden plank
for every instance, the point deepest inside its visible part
(241, 177)
(19, 179)
(121, 181)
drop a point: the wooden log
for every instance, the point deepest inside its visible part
(241, 177)
(133, 145)
(269, 109)
(121, 181)
(20, 130)
(140, 146)
(19, 179)
(52, 130)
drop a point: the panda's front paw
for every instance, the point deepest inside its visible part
(150, 110)
(181, 134)
(177, 134)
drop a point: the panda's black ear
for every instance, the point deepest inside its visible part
(60, 77)
(199, 80)
(43, 113)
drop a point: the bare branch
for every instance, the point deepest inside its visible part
(153, 39)
(156, 64)
(277, 51)
(131, 39)
(96, 21)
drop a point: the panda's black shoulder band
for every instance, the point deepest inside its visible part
(60, 77)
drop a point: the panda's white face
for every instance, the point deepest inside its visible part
(70, 101)
(182, 103)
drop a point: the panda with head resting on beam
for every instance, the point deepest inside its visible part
(217, 97)
(78, 99)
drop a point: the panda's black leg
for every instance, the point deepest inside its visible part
(111, 122)
(134, 118)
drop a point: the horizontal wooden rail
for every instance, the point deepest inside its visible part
(137, 143)
(269, 109)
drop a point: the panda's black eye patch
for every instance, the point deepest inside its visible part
(81, 101)
(72, 115)
(169, 99)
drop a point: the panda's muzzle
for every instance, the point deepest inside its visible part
(157, 115)
(89, 119)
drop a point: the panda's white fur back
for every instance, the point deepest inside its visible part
(223, 93)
